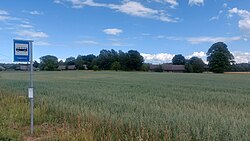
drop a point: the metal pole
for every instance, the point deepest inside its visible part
(31, 86)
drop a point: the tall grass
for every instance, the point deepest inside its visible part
(134, 106)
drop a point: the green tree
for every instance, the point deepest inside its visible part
(219, 58)
(36, 64)
(95, 68)
(179, 60)
(188, 67)
(49, 63)
(197, 64)
(145, 67)
(135, 60)
(116, 66)
(70, 61)
(79, 62)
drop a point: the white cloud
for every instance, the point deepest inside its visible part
(26, 26)
(112, 31)
(244, 22)
(136, 9)
(3, 12)
(132, 8)
(157, 58)
(58, 1)
(224, 5)
(33, 12)
(36, 13)
(173, 3)
(90, 42)
(4, 17)
(214, 18)
(198, 40)
(196, 2)
(241, 57)
(200, 54)
(31, 34)
(41, 43)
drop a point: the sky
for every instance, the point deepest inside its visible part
(158, 29)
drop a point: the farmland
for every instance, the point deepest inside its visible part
(110, 105)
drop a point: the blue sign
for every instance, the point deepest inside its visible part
(21, 51)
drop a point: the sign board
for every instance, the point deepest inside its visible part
(21, 51)
(30, 92)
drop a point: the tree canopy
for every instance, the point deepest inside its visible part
(179, 60)
(219, 58)
(49, 63)
(197, 64)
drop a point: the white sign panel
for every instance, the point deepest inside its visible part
(31, 92)
(21, 49)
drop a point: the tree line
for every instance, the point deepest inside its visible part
(106, 60)
(218, 56)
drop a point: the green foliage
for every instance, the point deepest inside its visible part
(95, 68)
(135, 60)
(116, 66)
(36, 64)
(219, 57)
(145, 67)
(49, 63)
(159, 69)
(195, 65)
(189, 67)
(178, 60)
(243, 67)
(70, 61)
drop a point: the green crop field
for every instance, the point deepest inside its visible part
(88, 105)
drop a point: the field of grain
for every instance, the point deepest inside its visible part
(130, 105)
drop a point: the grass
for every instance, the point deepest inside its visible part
(86, 105)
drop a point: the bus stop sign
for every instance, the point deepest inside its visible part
(21, 51)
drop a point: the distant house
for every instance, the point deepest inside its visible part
(173, 68)
(153, 67)
(62, 67)
(2, 68)
(71, 67)
(22, 67)
(168, 68)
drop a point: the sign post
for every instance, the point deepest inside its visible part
(23, 53)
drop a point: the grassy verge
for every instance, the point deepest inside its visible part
(15, 117)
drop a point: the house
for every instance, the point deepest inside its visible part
(71, 67)
(168, 68)
(62, 67)
(173, 68)
(22, 67)
(153, 68)
(2, 68)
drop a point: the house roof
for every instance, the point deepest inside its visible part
(61, 67)
(71, 67)
(169, 67)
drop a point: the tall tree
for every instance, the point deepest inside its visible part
(135, 60)
(179, 60)
(70, 61)
(197, 64)
(219, 58)
(49, 63)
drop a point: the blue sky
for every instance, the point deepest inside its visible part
(158, 29)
